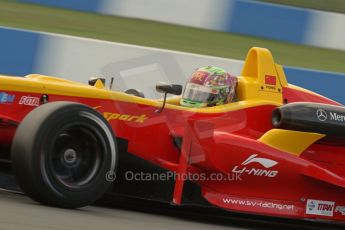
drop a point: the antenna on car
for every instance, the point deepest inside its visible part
(111, 83)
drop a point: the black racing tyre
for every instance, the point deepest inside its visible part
(62, 154)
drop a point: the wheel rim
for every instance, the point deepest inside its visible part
(75, 156)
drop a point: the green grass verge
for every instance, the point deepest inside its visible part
(329, 5)
(154, 34)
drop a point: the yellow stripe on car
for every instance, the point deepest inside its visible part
(35, 83)
(294, 142)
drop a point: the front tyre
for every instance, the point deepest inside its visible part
(61, 154)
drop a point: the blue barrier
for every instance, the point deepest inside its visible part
(18, 51)
(82, 5)
(248, 17)
(268, 20)
(327, 84)
(23, 51)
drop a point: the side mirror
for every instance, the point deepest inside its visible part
(93, 80)
(135, 93)
(169, 88)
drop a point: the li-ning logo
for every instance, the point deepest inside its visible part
(321, 114)
(267, 163)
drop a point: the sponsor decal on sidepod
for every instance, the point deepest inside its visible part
(123, 117)
(266, 163)
(261, 204)
(30, 101)
(322, 115)
(340, 209)
(6, 98)
(320, 207)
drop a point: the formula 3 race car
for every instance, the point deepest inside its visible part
(279, 150)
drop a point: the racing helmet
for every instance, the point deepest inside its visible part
(209, 86)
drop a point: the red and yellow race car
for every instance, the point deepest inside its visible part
(277, 150)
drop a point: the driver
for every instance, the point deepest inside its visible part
(209, 86)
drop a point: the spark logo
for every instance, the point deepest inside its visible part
(124, 117)
(266, 163)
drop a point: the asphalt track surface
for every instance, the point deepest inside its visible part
(19, 212)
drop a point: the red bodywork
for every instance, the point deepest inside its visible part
(215, 147)
(215, 144)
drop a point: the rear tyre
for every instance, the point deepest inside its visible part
(62, 153)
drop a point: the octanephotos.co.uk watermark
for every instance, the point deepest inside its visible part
(169, 175)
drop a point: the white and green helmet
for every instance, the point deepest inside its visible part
(209, 86)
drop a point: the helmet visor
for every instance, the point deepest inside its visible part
(197, 93)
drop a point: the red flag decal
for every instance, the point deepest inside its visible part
(270, 80)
